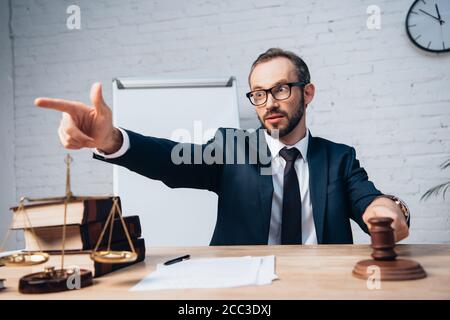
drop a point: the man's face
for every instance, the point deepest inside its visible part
(282, 115)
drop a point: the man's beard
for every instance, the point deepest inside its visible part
(292, 121)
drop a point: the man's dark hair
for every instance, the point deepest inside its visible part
(300, 65)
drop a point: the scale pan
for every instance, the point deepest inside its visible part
(114, 256)
(23, 259)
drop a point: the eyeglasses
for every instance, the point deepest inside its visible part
(279, 92)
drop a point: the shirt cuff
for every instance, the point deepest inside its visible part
(124, 148)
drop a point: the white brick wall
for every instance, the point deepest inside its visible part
(7, 187)
(375, 90)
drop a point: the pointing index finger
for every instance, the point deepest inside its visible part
(71, 107)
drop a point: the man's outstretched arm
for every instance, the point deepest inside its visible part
(367, 202)
(178, 165)
(84, 126)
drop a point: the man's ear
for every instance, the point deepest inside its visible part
(308, 92)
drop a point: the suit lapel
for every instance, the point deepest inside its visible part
(318, 181)
(266, 194)
(265, 183)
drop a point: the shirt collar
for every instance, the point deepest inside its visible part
(275, 145)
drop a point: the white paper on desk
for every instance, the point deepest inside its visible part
(266, 271)
(210, 273)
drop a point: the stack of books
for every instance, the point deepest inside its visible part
(85, 221)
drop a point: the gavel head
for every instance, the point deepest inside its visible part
(383, 240)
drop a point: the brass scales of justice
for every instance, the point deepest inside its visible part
(55, 280)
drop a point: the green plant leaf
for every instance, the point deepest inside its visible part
(436, 190)
(446, 164)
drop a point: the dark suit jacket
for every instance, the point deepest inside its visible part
(339, 186)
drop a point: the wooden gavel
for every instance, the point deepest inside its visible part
(383, 240)
(384, 256)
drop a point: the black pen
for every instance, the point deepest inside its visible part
(179, 259)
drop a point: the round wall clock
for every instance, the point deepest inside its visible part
(428, 25)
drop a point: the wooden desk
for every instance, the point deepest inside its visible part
(305, 272)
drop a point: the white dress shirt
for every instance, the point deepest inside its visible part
(278, 164)
(124, 148)
(302, 170)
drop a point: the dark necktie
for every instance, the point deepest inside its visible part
(291, 223)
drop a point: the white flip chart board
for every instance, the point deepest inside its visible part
(172, 109)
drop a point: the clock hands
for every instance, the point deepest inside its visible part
(440, 22)
(438, 18)
(439, 15)
(431, 15)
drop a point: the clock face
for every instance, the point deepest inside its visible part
(428, 25)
